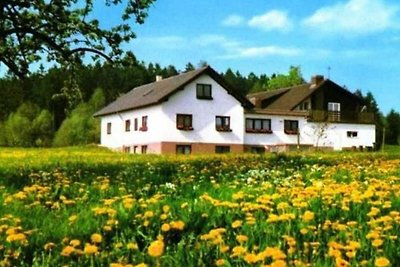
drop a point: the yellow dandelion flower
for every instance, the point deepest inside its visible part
(67, 251)
(90, 249)
(242, 238)
(156, 248)
(377, 243)
(75, 243)
(278, 263)
(96, 238)
(132, 246)
(166, 208)
(16, 237)
(141, 265)
(177, 225)
(308, 216)
(49, 246)
(165, 227)
(382, 262)
(163, 216)
(220, 262)
(250, 258)
(236, 224)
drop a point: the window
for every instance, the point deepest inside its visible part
(258, 125)
(183, 149)
(304, 106)
(291, 127)
(127, 125)
(184, 122)
(127, 149)
(223, 124)
(144, 149)
(352, 134)
(109, 128)
(257, 149)
(136, 124)
(135, 149)
(222, 149)
(333, 111)
(144, 124)
(203, 91)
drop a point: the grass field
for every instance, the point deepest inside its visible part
(91, 207)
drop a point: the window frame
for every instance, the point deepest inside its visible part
(136, 124)
(352, 134)
(143, 149)
(127, 125)
(181, 149)
(204, 91)
(182, 124)
(144, 128)
(288, 127)
(223, 127)
(109, 128)
(253, 129)
(222, 149)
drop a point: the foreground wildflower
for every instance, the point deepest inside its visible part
(156, 248)
(90, 249)
(382, 262)
(96, 238)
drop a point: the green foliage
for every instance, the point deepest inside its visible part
(393, 128)
(294, 77)
(43, 129)
(33, 31)
(80, 127)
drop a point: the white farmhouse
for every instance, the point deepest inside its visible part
(199, 112)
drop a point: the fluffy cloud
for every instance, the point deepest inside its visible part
(233, 20)
(354, 17)
(272, 20)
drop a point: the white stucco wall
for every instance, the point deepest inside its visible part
(204, 113)
(119, 137)
(317, 134)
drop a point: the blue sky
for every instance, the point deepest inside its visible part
(358, 39)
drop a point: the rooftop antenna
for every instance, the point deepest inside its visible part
(329, 72)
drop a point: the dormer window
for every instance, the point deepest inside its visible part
(203, 91)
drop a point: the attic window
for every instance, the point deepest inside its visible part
(203, 91)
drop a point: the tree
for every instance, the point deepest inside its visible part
(43, 129)
(63, 30)
(393, 128)
(294, 77)
(80, 128)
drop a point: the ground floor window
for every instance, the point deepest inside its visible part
(183, 149)
(222, 149)
(127, 149)
(352, 134)
(258, 125)
(257, 149)
(144, 149)
(109, 128)
(135, 149)
(291, 127)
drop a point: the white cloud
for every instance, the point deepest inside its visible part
(354, 17)
(265, 51)
(233, 20)
(272, 20)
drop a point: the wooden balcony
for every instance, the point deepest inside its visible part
(341, 117)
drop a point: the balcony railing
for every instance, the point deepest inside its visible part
(341, 117)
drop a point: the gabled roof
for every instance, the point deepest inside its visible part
(287, 99)
(157, 92)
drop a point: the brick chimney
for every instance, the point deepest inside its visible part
(316, 80)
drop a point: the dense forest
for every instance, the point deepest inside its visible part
(54, 107)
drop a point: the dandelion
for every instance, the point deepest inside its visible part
(377, 243)
(242, 238)
(156, 248)
(382, 262)
(308, 216)
(220, 262)
(165, 227)
(75, 243)
(67, 251)
(96, 238)
(90, 249)
(177, 225)
(132, 246)
(236, 224)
